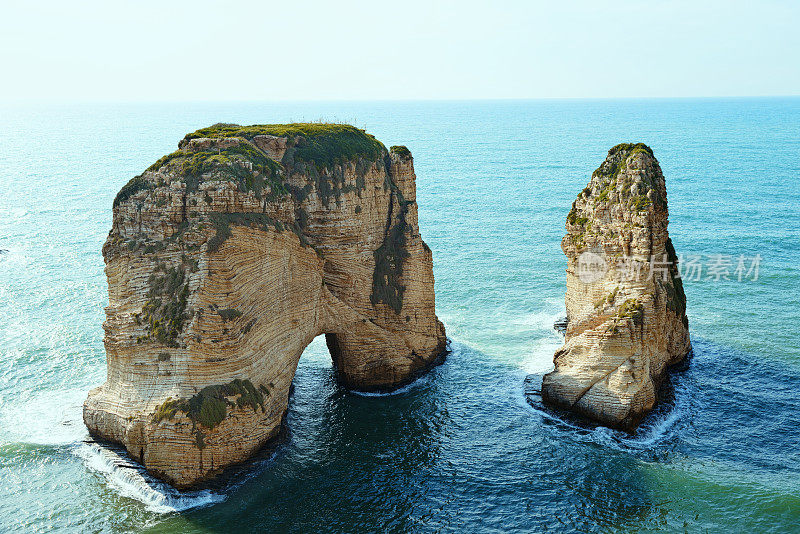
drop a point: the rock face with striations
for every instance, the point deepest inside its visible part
(626, 307)
(226, 258)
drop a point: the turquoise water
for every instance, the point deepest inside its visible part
(462, 449)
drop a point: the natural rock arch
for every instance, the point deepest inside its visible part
(226, 258)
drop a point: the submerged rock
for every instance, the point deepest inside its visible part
(560, 325)
(226, 258)
(625, 303)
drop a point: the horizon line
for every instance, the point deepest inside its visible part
(12, 102)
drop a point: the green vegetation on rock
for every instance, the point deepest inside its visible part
(401, 151)
(617, 160)
(222, 223)
(165, 310)
(640, 202)
(630, 149)
(632, 309)
(315, 149)
(229, 314)
(323, 144)
(167, 409)
(609, 174)
(209, 406)
(389, 259)
(243, 164)
(608, 299)
(136, 184)
(573, 218)
(167, 158)
(676, 298)
(298, 193)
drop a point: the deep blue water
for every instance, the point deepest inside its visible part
(461, 449)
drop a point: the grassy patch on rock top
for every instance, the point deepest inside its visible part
(616, 161)
(630, 148)
(325, 144)
(243, 164)
(313, 148)
(401, 151)
(633, 193)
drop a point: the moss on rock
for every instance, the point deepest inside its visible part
(324, 144)
(315, 148)
(222, 223)
(164, 313)
(389, 258)
(401, 151)
(635, 198)
(631, 309)
(229, 314)
(136, 184)
(242, 163)
(209, 406)
(676, 297)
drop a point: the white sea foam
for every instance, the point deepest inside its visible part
(423, 379)
(13, 214)
(655, 430)
(55, 418)
(11, 257)
(45, 418)
(132, 481)
(661, 428)
(539, 359)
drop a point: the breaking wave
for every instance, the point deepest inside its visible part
(131, 480)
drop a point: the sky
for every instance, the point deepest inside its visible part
(400, 50)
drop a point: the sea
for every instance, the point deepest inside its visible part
(468, 447)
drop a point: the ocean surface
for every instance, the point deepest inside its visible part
(463, 449)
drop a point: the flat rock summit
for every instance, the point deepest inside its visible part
(226, 258)
(626, 307)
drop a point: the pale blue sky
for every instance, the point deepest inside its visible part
(307, 50)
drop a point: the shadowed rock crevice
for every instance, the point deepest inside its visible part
(226, 258)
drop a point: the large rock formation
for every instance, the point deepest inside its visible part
(626, 307)
(226, 258)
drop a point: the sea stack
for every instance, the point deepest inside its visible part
(226, 258)
(626, 308)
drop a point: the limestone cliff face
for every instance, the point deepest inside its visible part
(226, 258)
(625, 303)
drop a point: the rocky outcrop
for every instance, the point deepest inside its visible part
(226, 258)
(626, 307)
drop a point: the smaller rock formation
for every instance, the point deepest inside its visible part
(626, 308)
